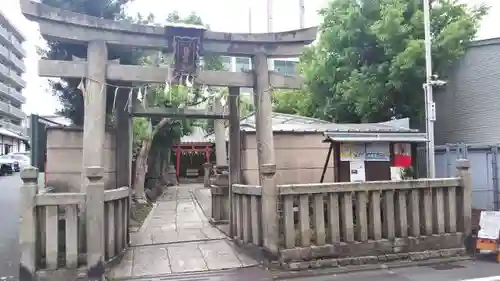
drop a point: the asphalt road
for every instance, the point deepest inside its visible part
(9, 226)
(479, 270)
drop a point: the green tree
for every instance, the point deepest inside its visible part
(368, 62)
(67, 93)
(297, 102)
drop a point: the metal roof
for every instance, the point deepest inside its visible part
(367, 136)
(394, 130)
(333, 127)
(281, 118)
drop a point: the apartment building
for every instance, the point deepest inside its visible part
(286, 66)
(11, 83)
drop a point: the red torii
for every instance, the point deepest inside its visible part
(205, 147)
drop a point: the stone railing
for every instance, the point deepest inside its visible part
(116, 216)
(247, 214)
(359, 223)
(219, 187)
(50, 226)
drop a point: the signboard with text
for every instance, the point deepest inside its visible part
(378, 152)
(365, 152)
(352, 152)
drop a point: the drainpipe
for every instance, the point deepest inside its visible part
(494, 174)
(447, 160)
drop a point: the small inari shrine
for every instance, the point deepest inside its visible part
(191, 153)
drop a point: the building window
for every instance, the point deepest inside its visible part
(226, 62)
(285, 67)
(6, 148)
(242, 64)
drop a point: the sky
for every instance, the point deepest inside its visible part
(285, 17)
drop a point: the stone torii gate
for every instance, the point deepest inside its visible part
(98, 34)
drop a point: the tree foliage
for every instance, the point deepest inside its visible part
(69, 96)
(368, 63)
(296, 102)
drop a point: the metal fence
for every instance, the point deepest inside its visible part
(484, 170)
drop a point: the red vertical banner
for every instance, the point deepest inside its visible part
(402, 155)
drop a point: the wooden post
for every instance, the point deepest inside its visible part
(465, 204)
(94, 223)
(27, 228)
(178, 163)
(234, 149)
(123, 136)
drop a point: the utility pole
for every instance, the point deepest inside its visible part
(269, 15)
(249, 19)
(301, 14)
(430, 108)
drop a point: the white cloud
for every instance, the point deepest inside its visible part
(221, 15)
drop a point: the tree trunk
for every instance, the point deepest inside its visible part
(141, 162)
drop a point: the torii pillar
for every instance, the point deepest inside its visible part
(265, 150)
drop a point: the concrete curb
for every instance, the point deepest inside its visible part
(195, 194)
(289, 274)
(148, 218)
(192, 275)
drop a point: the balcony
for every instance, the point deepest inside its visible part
(11, 110)
(13, 127)
(12, 93)
(11, 59)
(18, 96)
(11, 77)
(7, 39)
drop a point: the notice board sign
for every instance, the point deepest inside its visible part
(489, 223)
(378, 152)
(352, 152)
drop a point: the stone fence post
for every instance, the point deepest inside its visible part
(465, 204)
(269, 208)
(220, 194)
(27, 227)
(207, 173)
(94, 222)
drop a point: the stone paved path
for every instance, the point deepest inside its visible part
(177, 237)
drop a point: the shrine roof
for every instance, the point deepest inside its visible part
(282, 118)
(295, 123)
(288, 123)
